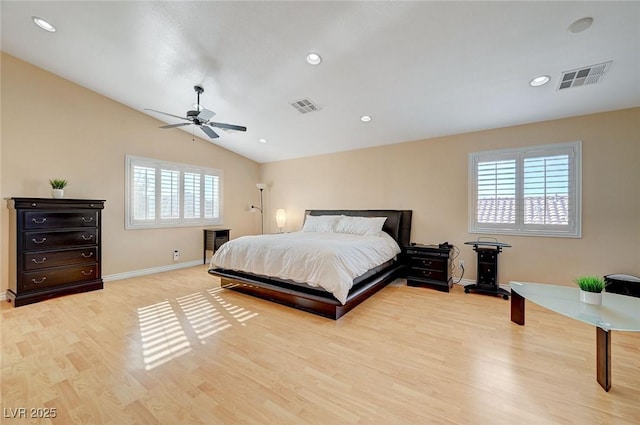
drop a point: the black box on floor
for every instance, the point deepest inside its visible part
(623, 284)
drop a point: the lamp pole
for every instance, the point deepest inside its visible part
(261, 186)
(261, 213)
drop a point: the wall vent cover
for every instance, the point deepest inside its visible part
(583, 76)
(305, 106)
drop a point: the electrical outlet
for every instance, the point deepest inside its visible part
(462, 263)
(176, 255)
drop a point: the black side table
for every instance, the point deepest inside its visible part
(487, 280)
(213, 239)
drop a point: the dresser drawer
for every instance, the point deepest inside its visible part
(45, 259)
(440, 275)
(56, 220)
(52, 240)
(58, 276)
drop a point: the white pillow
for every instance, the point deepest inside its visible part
(360, 225)
(320, 223)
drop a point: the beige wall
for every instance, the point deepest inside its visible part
(430, 177)
(52, 128)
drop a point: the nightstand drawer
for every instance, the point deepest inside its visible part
(427, 263)
(439, 275)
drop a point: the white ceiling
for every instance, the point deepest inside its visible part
(420, 69)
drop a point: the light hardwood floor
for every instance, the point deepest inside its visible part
(175, 348)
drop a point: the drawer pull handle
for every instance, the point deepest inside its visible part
(39, 262)
(35, 220)
(86, 273)
(87, 220)
(87, 238)
(43, 240)
(89, 255)
(39, 281)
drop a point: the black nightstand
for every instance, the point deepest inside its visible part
(429, 265)
(213, 239)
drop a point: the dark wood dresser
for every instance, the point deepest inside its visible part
(429, 265)
(55, 248)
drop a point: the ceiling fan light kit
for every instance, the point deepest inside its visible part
(200, 118)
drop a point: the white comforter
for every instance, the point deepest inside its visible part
(328, 260)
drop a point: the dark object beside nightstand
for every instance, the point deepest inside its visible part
(623, 284)
(213, 239)
(429, 265)
(487, 281)
(55, 248)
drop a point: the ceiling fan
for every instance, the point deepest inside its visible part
(201, 119)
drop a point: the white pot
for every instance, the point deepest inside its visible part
(591, 297)
(57, 193)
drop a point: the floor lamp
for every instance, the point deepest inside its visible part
(261, 187)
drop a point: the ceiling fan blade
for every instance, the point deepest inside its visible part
(209, 132)
(228, 126)
(205, 115)
(175, 125)
(164, 113)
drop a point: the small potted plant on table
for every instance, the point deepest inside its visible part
(57, 187)
(591, 288)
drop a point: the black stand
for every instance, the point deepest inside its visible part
(487, 281)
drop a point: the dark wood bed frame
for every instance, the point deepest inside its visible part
(398, 225)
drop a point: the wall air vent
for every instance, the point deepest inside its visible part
(305, 105)
(583, 76)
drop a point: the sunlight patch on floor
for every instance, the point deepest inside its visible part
(161, 334)
(161, 331)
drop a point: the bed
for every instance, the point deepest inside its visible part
(308, 296)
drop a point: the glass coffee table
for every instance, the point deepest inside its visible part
(617, 313)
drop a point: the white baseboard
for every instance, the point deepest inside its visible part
(3, 296)
(153, 270)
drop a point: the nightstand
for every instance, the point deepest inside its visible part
(213, 239)
(429, 265)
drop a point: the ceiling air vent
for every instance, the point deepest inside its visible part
(583, 76)
(305, 105)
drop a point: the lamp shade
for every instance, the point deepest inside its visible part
(261, 186)
(281, 217)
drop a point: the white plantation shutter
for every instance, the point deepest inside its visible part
(192, 195)
(496, 191)
(547, 188)
(169, 194)
(211, 196)
(165, 194)
(143, 203)
(530, 191)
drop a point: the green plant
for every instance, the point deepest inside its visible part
(590, 283)
(58, 183)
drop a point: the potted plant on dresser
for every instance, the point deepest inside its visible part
(57, 187)
(591, 288)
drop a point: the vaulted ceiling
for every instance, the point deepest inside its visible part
(419, 69)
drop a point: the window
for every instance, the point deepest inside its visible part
(529, 191)
(166, 194)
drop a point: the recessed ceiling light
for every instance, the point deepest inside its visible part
(262, 140)
(365, 118)
(43, 24)
(314, 58)
(580, 25)
(540, 81)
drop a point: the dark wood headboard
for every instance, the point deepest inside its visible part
(398, 223)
